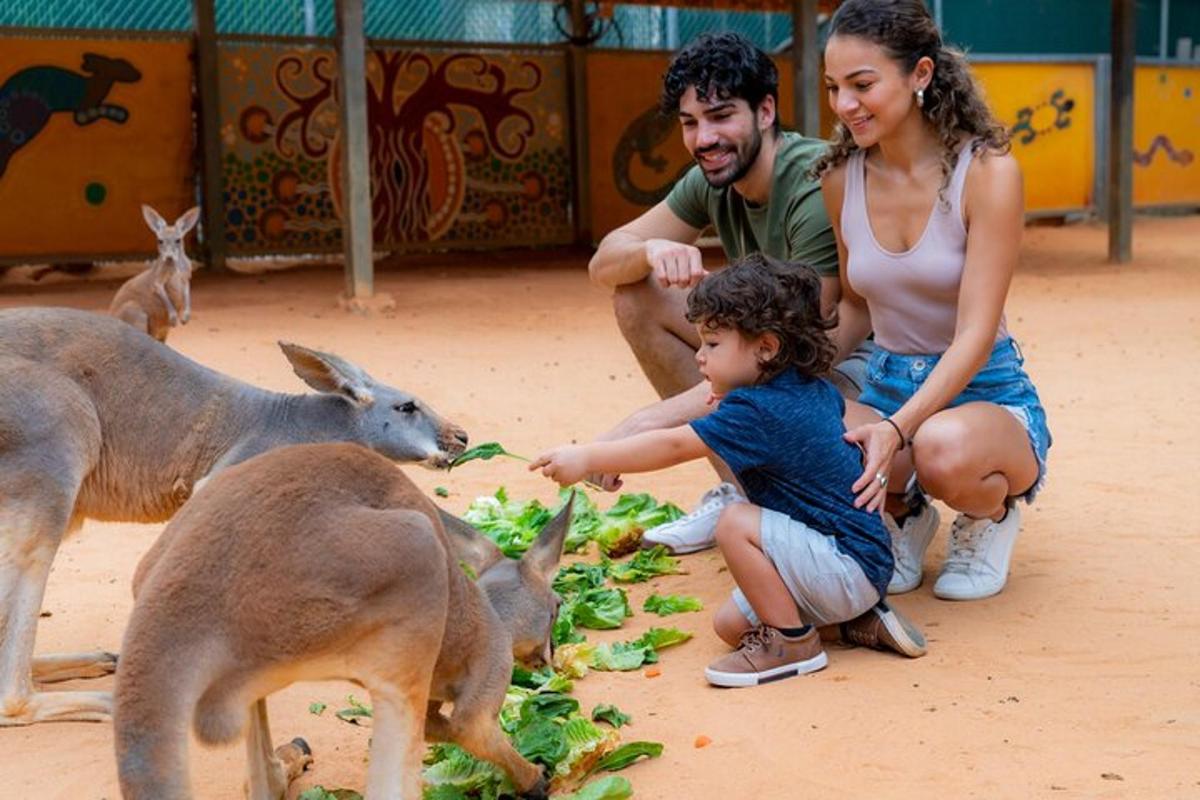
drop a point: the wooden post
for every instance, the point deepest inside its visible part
(806, 63)
(356, 169)
(212, 184)
(580, 157)
(1120, 134)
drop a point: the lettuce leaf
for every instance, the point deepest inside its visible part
(321, 793)
(646, 564)
(484, 452)
(610, 714)
(610, 787)
(664, 605)
(626, 754)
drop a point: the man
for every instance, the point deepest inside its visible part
(751, 182)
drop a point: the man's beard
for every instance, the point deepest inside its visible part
(742, 162)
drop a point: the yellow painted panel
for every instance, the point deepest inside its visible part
(1050, 110)
(1166, 135)
(90, 130)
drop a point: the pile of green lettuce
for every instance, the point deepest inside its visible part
(514, 524)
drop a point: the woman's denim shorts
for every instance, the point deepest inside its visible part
(892, 378)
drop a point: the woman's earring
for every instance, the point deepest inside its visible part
(920, 98)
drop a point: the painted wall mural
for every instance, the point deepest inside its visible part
(1166, 135)
(90, 130)
(465, 148)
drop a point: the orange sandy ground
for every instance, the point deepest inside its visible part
(1082, 679)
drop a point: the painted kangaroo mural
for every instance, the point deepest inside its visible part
(29, 97)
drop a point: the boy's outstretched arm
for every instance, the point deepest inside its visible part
(642, 452)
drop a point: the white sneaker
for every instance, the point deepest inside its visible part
(909, 544)
(977, 562)
(698, 530)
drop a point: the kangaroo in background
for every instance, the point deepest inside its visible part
(317, 562)
(160, 297)
(99, 421)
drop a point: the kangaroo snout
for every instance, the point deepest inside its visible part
(452, 441)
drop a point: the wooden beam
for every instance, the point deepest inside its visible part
(356, 154)
(212, 183)
(806, 65)
(580, 156)
(1120, 133)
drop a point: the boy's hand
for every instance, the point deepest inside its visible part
(566, 464)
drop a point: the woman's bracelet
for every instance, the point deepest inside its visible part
(900, 433)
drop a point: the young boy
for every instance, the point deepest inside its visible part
(801, 554)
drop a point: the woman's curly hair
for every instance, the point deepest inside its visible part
(759, 294)
(720, 66)
(954, 102)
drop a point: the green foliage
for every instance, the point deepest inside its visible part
(484, 452)
(441, 491)
(357, 711)
(316, 707)
(645, 564)
(626, 754)
(605, 712)
(321, 793)
(610, 787)
(664, 605)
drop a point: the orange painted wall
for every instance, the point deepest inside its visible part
(77, 189)
(1166, 135)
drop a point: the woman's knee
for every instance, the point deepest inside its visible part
(940, 454)
(738, 523)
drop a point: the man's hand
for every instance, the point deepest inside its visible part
(565, 465)
(674, 263)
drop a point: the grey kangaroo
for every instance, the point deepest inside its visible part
(99, 421)
(323, 561)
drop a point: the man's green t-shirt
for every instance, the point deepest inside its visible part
(792, 226)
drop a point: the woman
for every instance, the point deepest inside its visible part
(926, 202)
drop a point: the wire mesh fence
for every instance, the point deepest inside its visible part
(535, 22)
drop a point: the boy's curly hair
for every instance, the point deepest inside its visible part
(759, 294)
(720, 66)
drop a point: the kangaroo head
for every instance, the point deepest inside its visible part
(170, 237)
(518, 589)
(391, 422)
(116, 69)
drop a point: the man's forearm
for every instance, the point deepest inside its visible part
(620, 259)
(678, 410)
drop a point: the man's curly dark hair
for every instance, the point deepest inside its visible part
(759, 294)
(720, 66)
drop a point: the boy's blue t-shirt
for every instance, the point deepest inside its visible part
(783, 440)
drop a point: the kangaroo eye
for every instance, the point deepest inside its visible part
(405, 408)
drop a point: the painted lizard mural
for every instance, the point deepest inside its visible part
(29, 97)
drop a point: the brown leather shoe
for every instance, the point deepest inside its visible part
(885, 628)
(764, 655)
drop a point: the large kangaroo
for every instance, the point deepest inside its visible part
(315, 562)
(100, 421)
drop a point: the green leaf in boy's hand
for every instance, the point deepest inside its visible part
(484, 452)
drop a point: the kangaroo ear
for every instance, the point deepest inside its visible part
(156, 222)
(546, 551)
(328, 373)
(470, 546)
(187, 221)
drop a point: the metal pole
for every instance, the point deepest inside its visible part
(1164, 20)
(806, 64)
(1120, 126)
(577, 61)
(212, 185)
(356, 172)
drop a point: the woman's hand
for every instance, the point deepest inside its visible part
(879, 442)
(567, 464)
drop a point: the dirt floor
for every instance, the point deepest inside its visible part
(1080, 680)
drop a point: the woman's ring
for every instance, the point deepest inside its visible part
(879, 476)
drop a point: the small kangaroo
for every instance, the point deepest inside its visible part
(160, 297)
(315, 562)
(98, 421)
